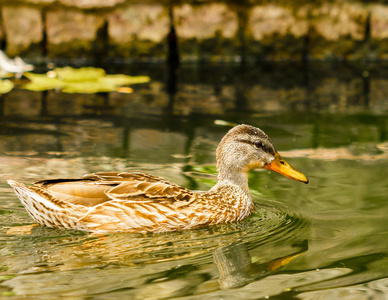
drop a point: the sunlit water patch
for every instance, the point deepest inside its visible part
(44, 261)
(324, 240)
(303, 241)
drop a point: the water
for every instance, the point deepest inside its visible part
(324, 240)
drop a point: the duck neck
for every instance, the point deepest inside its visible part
(233, 177)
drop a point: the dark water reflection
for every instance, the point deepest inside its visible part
(325, 240)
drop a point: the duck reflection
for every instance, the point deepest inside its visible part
(237, 269)
(51, 261)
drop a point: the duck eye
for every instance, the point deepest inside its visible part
(259, 144)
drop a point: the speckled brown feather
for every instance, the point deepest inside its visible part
(136, 202)
(139, 203)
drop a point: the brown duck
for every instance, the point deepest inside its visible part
(136, 202)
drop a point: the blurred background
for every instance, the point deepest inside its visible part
(206, 60)
(228, 31)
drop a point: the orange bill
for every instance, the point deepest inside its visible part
(280, 166)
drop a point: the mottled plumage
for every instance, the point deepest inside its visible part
(136, 202)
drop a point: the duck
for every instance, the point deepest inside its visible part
(106, 202)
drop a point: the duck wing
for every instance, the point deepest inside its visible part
(138, 203)
(97, 188)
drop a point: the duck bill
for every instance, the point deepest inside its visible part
(280, 166)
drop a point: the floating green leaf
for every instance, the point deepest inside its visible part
(121, 79)
(70, 74)
(6, 86)
(40, 82)
(4, 74)
(88, 87)
(86, 80)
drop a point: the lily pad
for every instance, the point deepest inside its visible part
(40, 82)
(86, 80)
(70, 74)
(88, 87)
(5, 74)
(6, 86)
(121, 79)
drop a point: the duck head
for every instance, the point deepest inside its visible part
(245, 148)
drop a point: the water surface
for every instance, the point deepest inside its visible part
(324, 240)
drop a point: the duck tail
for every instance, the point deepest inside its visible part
(46, 209)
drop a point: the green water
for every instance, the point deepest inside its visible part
(324, 240)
